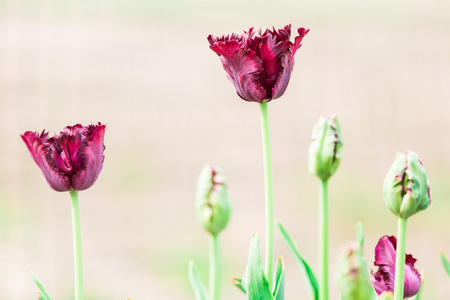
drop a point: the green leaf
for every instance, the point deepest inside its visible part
(237, 282)
(196, 282)
(254, 281)
(278, 292)
(42, 295)
(304, 266)
(360, 235)
(445, 262)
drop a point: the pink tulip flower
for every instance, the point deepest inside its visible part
(383, 279)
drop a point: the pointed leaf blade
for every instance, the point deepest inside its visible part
(278, 292)
(196, 282)
(254, 281)
(42, 295)
(237, 282)
(308, 273)
(445, 262)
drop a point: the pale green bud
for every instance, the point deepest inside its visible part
(353, 274)
(406, 189)
(386, 296)
(213, 204)
(326, 149)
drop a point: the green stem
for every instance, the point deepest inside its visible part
(214, 267)
(400, 259)
(324, 237)
(268, 192)
(77, 246)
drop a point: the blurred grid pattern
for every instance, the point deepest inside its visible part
(144, 68)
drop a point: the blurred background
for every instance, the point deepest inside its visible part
(145, 69)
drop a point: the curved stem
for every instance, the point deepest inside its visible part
(324, 237)
(268, 192)
(214, 267)
(400, 260)
(77, 246)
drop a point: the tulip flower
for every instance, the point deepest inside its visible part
(406, 190)
(258, 65)
(325, 152)
(385, 258)
(324, 157)
(71, 160)
(213, 205)
(353, 276)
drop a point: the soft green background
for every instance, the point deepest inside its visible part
(144, 68)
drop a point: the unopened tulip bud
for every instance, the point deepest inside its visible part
(326, 149)
(213, 204)
(406, 189)
(353, 275)
(386, 296)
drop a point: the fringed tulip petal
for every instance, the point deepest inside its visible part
(258, 65)
(39, 150)
(71, 160)
(93, 157)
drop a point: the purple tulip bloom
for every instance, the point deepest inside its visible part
(259, 66)
(383, 279)
(71, 160)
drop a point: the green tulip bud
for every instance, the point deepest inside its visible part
(353, 275)
(406, 189)
(386, 296)
(213, 205)
(326, 149)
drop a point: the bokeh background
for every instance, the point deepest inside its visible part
(144, 68)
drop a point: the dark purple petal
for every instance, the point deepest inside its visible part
(282, 81)
(298, 39)
(243, 71)
(36, 145)
(71, 160)
(271, 54)
(93, 157)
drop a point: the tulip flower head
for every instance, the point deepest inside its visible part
(325, 151)
(213, 204)
(353, 275)
(71, 160)
(383, 279)
(258, 65)
(406, 190)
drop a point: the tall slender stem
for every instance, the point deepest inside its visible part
(323, 240)
(268, 192)
(214, 267)
(400, 259)
(77, 246)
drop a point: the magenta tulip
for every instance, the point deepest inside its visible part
(259, 66)
(383, 279)
(71, 160)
